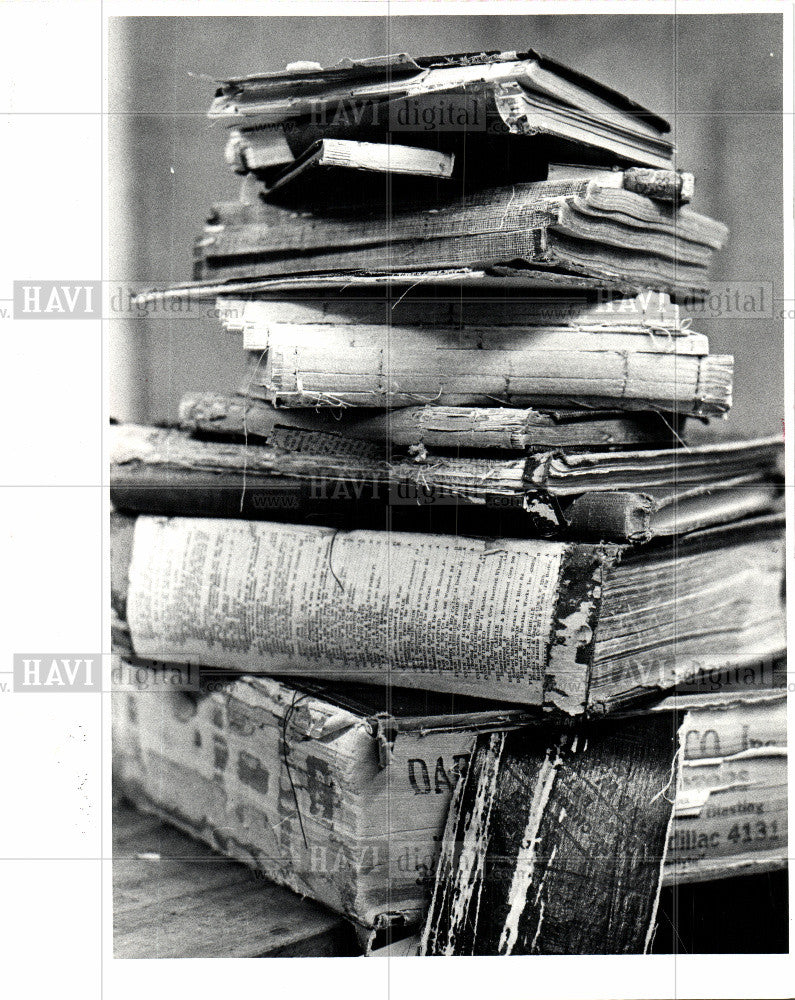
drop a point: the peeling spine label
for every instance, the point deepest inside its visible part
(580, 592)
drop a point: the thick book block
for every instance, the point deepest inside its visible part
(558, 842)
(480, 428)
(730, 814)
(572, 627)
(614, 496)
(570, 227)
(316, 353)
(488, 98)
(341, 791)
(339, 796)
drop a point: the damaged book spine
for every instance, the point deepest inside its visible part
(575, 227)
(627, 354)
(296, 367)
(673, 186)
(346, 581)
(161, 471)
(495, 428)
(312, 794)
(535, 861)
(570, 203)
(551, 835)
(348, 805)
(508, 94)
(521, 620)
(368, 157)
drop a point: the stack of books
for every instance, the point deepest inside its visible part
(453, 499)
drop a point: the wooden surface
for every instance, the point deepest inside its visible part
(175, 898)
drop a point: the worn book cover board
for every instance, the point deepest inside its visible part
(555, 842)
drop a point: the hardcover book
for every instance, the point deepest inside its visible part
(341, 791)
(552, 834)
(628, 495)
(571, 627)
(546, 109)
(568, 227)
(314, 353)
(339, 794)
(237, 416)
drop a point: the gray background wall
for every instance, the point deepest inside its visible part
(716, 77)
